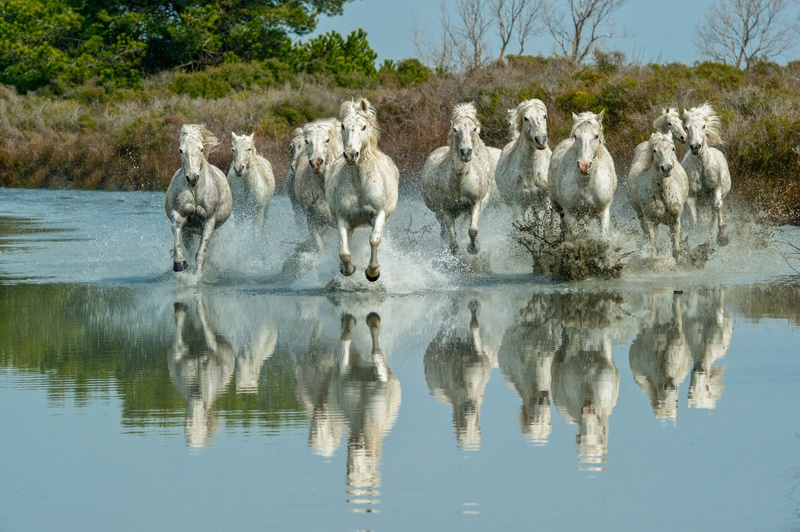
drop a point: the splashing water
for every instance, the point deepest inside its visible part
(123, 237)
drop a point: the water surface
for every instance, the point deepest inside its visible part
(453, 394)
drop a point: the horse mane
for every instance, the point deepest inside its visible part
(668, 112)
(463, 110)
(201, 134)
(590, 119)
(713, 124)
(517, 116)
(365, 110)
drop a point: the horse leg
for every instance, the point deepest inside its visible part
(374, 269)
(261, 217)
(382, 369)
(450, 225)
(722, 237)
(651, 234)
(346, 267)
(676, 237)
(208, 230)
(473, 246)
(692, 209)
(605, 220)
(178, 262)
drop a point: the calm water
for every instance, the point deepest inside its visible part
(453, 394)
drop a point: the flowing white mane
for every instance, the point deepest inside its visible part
(465, 110)
(516, 116)
(713, 125)
(201, 134)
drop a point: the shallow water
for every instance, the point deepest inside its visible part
(452, 394)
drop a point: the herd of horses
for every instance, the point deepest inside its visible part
(340, 179)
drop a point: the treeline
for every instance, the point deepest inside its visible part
(95, 136)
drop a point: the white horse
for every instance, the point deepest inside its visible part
(657, 188)
(521, 174)
(322, 145)
(362, 186)
(199, 197)
(250, 178)
(455, 183)
(581, 178)
(706, 167)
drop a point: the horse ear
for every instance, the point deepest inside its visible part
(600, 116)
(252, 135)
(574, 117)
(364, 104)
(233, 135)
(669, 135)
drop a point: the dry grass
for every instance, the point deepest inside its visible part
(128, 140)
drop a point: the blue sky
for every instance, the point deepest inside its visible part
(659, 31)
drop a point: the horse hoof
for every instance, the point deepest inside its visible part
(373, 278)
(722, 240)
(473, 249)
(347, 269)
(179, 266)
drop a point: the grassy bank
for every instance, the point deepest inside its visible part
(90, 138)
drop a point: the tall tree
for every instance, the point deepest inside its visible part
(739, 32)
(514, 17)
(586, 22)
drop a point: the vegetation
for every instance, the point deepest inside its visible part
(95, 135)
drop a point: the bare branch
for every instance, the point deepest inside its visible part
(513, 17)
(741, 32)
(578, 32)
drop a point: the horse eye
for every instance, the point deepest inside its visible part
(673, 148)
(669, 124)
(342, 127)
(475, 128)
(545, 117)
(306, 142)
(455, 130)
(180, 150)
(655, 151)
(526, 118)
(201, 150)
(704, 126)
(327, 141)
(597, 136)
(363, 128)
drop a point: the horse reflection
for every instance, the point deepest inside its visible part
(526, 357)
(251, 355)
(709, 335)
(350, 390)
(660, 360)
(457, 370)
(585, 379)
(201, 366)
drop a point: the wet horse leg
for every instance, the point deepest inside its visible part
(208, 230)
(722, 237)
(178, 262)
(382, 369)
(346, 266)
(374, 270)
(473, 246)
(450, 227)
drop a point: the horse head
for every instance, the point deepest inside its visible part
(670, 120)
(702, 127)
(530, 119)
(587, 133)
(243, 148)
(193, 139)
(318, 135)
(464, 130)
(663, 152)
(359, 128)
